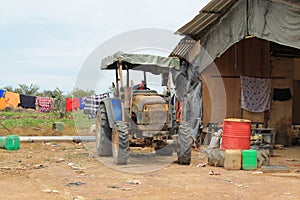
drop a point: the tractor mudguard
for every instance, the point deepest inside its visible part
(113, 109)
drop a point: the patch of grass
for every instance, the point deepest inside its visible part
(32, 119)
(81, 120)
(20, 122)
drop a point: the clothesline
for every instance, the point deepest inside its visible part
(47, 104)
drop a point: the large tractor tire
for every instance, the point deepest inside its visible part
(103, 133)
(120, 143)
(184, 142)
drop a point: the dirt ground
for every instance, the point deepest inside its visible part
(72, 171)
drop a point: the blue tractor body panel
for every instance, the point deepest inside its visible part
(117, 109)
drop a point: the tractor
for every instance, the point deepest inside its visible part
(138, 116)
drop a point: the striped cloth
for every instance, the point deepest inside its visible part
(92, 103)
(44, 104)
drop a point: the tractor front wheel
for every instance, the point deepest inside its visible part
(120, 143)
(103, 133)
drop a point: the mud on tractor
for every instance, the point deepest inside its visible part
(140, 116)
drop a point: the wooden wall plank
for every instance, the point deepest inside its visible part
(281, 111)
(297, 69)
(249, 57)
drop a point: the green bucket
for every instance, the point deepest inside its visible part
(2, 142)
(58, 126)
(249, 159)
(12, 142)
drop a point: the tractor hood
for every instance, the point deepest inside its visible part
(142, 62)
(139, 101)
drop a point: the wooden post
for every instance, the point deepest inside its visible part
(116, 90)
(121, 89)
(145, 78)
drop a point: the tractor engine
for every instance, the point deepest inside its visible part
(150, 113)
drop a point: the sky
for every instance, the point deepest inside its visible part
(50, 43)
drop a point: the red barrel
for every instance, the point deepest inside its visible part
(236, 134)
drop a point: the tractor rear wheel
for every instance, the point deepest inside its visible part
(120, 143)
(184, 141)
(103, 133)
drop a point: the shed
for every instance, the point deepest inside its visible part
(239, 40)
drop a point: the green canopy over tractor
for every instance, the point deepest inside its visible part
(143, 62)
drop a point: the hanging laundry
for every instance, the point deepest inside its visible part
(75, 103)
(2, 92)
(59, 104)
(2, 103)
(255, 94)
(12, 99)
(56, 104)
(44, 104)
(92, 103)
(72, 104)
(27, 101)
(282, 94)
(81, 101)
(69, 104)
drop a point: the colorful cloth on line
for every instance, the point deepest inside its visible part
(59, 104)
(44, 104)
(72, 104)
(255, 94)
(27, 101)
(92, 103)
(81, 101)
(2, 92)
(2, 103)
(12, 99)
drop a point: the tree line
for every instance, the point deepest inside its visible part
(34, 90)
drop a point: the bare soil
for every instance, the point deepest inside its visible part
(68, 170)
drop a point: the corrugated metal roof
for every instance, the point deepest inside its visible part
(183, 47)
(206, 17)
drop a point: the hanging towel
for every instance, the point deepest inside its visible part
(92, 103)
(27, 101)
(75, 104)
(72, 104)
(282, 94)
(44, 104)
(2, 92)
(255, 94)
(12, 99)
(59, 104)
(81, 101)
(68, 104)
(56, 104)
(2, 103)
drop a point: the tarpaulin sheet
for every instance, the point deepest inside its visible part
(273, 20)
(188, 88)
